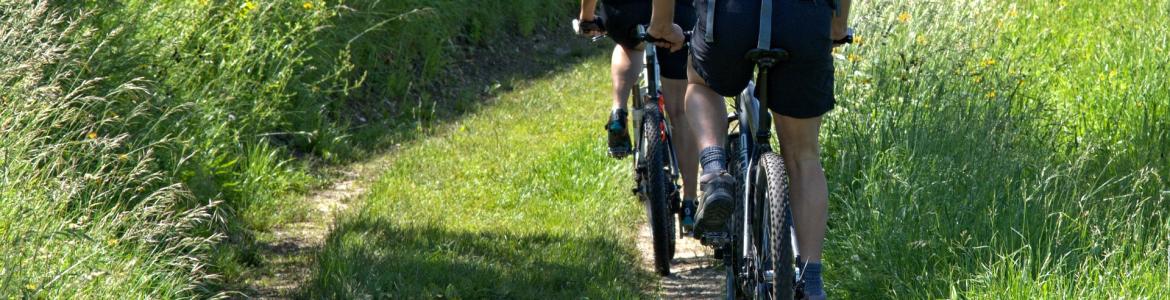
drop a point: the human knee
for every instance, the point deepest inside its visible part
(801, 155)
(802, 161)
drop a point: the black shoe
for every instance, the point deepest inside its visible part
(619, 137)
(717, 204)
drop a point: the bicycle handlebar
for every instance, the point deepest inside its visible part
(642, 35)
(848, 39)
(597, 25)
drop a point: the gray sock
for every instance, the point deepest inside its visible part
(713, 160)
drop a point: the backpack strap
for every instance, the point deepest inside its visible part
(709, 34)
(765, 38)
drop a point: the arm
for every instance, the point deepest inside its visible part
(662, 16)
(841, 19)
(588, 10)
(662, 25)
(586, 23)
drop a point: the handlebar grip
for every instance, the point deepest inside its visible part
(580, 27)
(848, 39)
(645, 36)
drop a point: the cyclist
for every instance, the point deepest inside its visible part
(620, 19)
(802, 91)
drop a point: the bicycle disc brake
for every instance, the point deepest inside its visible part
(716, 238)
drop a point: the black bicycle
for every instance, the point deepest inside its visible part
(656, 171)
(757, 251)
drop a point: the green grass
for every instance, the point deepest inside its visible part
(143, 143)
(515, 201)
(994, 149)
(1006, 149)
(979, 150)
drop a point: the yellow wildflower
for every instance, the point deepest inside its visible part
(247, 7)
(31, 286)
(987, 62)
(854, 58)
(991, 94)
(112, 242)
(921, 40)
(91, 135)
(904, 17)
(978, 78)
(308, 5)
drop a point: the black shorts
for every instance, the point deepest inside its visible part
(801, 87)
(622, 17)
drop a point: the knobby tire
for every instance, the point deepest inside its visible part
(656, 185)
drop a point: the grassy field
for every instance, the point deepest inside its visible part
(1002, 149)
(515, 201)
(143, 144)
(980, 149)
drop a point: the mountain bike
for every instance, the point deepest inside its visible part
(656, 171)
(757, 251)
(655, 163)
(757, 248)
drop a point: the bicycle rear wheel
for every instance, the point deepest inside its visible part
(656, 190)
(772, 180)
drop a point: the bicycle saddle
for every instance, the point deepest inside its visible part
(767, 57)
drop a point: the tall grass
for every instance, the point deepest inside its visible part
(86, 211)
(1002, 149)
(136, 135)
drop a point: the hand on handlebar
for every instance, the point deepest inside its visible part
(590, 28)
(842, 36)
(668, 37)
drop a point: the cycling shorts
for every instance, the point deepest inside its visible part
(801, 87)
(622, 17)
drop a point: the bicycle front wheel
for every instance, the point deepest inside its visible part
(655, 189)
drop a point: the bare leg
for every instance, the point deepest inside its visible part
(625, 65)
(706, 112)
(810, 193)
(684, 142)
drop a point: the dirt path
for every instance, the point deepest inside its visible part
(290, 251)
(695, 273)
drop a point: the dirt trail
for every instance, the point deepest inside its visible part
(695, 273)
(289, 253)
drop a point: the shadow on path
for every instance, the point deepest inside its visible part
(376, 258)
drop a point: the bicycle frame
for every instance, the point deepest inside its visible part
(653, 93)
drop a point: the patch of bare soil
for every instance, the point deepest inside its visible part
(695, 273)
(289, 253)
